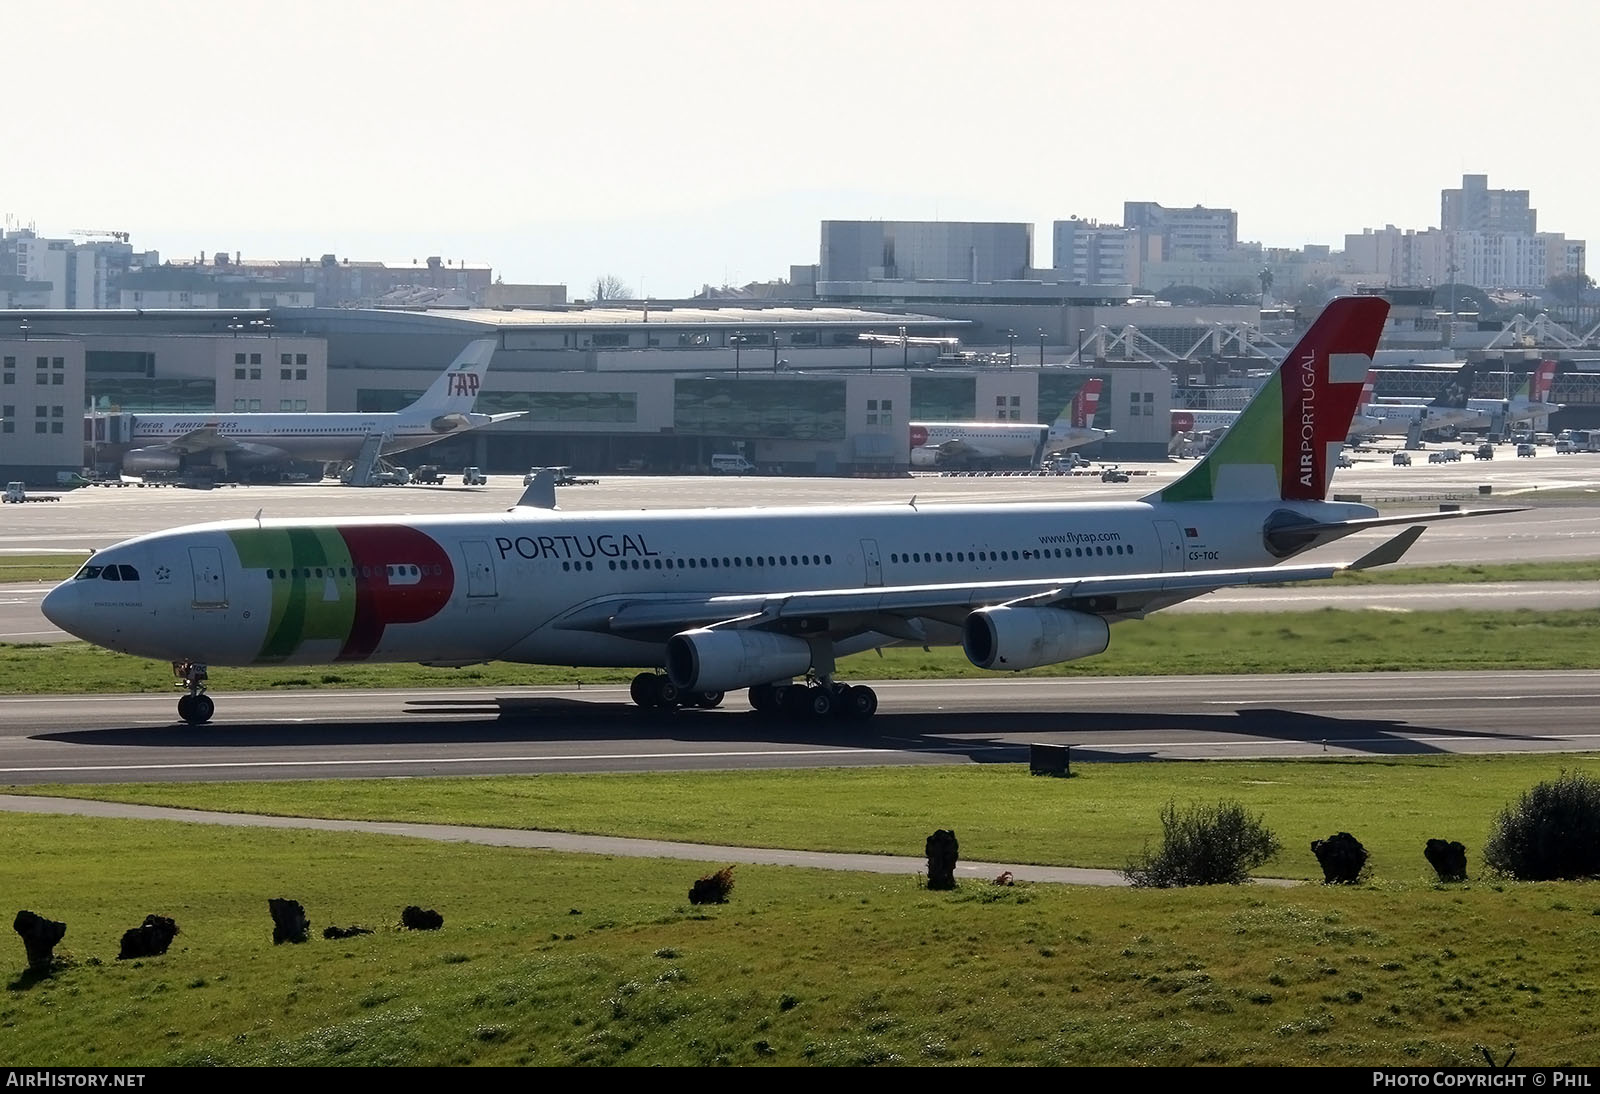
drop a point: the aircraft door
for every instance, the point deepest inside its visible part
(480, 568)
(869, 554)
(210, 589)
(1171, 545)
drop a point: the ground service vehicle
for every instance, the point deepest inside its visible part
(473, 477)
(428, 474)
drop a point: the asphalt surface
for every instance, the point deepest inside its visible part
(353, 734)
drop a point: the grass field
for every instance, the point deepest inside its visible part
(1168, 644)
(558, 959)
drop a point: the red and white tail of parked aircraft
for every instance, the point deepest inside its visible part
(705, 601)
(955, 444)
(175, 442)
(1454, 409)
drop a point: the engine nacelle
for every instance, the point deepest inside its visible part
(138, 461)
(924, 457)
(1025, 638)
(722, 660)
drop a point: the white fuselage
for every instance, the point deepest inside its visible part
(301, 436)
(543, 586)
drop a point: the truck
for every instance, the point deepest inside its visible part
(17, 492)
(731, 463)
(473, 477)
(429, 474)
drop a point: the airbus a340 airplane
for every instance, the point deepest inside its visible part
(169, 442)
(952, 444)
(752, 598)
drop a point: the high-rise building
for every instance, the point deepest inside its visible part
(1476, 208)
(920, 250)
(1182, 234)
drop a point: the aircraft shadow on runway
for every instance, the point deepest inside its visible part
(984, 737)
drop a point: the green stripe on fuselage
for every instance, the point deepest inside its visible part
(304, 606)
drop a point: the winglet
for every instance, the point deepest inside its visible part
(1389, 552)
(541, 492)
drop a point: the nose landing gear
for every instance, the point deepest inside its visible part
(196, 707)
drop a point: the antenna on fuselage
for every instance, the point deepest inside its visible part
(913, 501)
(258, 516)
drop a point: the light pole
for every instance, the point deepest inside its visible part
(871, 345)
(1041, 347)
(905, 350)
(774, 353)
(24, 328)
(1080, 345)
(738, 343)
(1011, 354)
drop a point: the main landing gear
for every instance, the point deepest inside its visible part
(196, 707)
(653, 691)
(819, 698)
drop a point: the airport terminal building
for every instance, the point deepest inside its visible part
(644, 387)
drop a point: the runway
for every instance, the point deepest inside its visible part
(344, 734)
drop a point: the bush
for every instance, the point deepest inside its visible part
(1553, 831)
(1204, 845)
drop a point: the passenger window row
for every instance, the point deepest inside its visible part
(726, 562)
(1002, 556)
(391, 570)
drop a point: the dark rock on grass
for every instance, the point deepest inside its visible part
(344, 932)
(39, 938)
(713, 888)
(1449, 860)
(942, 849)
(289, 922)
(150, 939)
(414, 918)
(1341, 857)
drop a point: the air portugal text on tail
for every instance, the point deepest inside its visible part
(1286, 443)
(705, 601)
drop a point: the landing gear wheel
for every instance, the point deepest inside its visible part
(819, 702)
(859, 703)
(764, 698)
(708, 700)
(643, 690)
(196, 709)
(667, 693)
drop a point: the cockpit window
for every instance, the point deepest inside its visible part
(128, 572)
(110, 574)
(88, 573)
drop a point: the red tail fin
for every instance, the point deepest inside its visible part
(1085, 403)
(1543, 380)
(1321, 387)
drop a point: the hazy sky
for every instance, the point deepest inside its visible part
(678, 143)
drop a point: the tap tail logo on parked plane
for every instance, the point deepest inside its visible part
(1285, 443)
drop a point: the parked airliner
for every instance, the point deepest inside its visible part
(172, 442)
(1215, 421)
(712, 600)
(957, 444)
(1454, 409)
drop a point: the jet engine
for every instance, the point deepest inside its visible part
(1025, 638)
(139, 461)
(722, 660)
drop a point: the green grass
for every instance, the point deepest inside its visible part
(52, 566)
(1101, 817)
(558, 959)
(1169, 644)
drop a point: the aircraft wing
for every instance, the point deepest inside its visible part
(204, 439)
(895, 610)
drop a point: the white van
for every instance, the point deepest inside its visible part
(731, 463)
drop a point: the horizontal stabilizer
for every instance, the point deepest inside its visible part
(1390, 552)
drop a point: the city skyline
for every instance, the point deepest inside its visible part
(677, 145)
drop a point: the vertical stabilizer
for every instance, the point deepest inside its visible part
(457, 387)
(1285, 443)
(1081, 411)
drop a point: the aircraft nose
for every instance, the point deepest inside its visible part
(62, 606)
